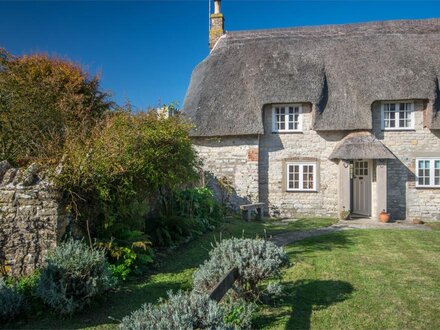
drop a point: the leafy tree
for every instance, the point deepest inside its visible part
(42, 101)
(128, 162)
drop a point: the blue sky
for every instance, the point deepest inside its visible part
(146, 50)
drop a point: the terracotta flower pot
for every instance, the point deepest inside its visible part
(384, 217)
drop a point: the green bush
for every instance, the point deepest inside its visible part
(25, 285)
(74, 275)
(132, 254)
(239, 314)
(11, 302)
(186, 213)
(256, 260)
(44, 101)
(186, 311)
(117, 175)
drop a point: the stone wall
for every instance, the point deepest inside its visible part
(32, 220)
(255, 165)
(234, 161)
(405, 201)
(310, 146)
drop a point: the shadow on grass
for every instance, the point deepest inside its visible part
(302, 224)
(326, 242)
(106, 311)
(305, 296)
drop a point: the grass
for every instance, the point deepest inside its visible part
(366, 279)
(173, 273)
(433, 225)
(363, 279)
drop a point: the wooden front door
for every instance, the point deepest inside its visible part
(362, 187)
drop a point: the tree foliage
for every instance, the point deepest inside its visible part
(42, 101)
(118, 172)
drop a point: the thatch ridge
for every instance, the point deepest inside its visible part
(340, 69)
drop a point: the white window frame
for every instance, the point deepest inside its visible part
(286, 118)
(397, 116)
(301, 180)
(431, 176)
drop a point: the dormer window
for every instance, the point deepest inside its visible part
(397, 115)
(287, 118)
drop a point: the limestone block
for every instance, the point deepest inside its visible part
(7, 196)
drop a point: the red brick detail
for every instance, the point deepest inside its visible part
(252, 155)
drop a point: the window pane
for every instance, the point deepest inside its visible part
(300, 176)
(288, 119)
(424, 172)
(397, 115)
(308, 177)
(296, 177)
(392, 122)
(437, 172)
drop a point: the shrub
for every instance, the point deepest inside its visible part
(43, 101)
(199, 204)
(116, 175)
(11, 302)
(74, 275)
(239, 314)
(186, 213)
(25, 285)
(184, 311)
(134, 254)
(256, 260)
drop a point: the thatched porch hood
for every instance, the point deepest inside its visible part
(360, 145)
(340, 69)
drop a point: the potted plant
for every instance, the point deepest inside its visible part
(384, 216)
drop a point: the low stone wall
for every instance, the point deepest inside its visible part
(32, 220)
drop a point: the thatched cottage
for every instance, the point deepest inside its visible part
(321, 120)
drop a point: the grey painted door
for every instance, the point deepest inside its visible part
(362, 187)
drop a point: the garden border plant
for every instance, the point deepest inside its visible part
(256, 260)
(75, 274)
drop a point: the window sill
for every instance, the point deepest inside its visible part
(427, 187)
(398, 129)
(288, 132)
(301, 191)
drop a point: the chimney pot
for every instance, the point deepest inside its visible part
(217, 7)
(217, 25)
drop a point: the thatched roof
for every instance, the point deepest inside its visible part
(360, 145)
(340, 69)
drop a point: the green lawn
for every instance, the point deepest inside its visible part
(351, 279)
(361, 279)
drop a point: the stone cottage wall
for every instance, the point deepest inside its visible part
(405, 201)
(31, 219)
(308, 145)
(256, 167)
(234, 161)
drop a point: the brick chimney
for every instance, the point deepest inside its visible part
(217, 25)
